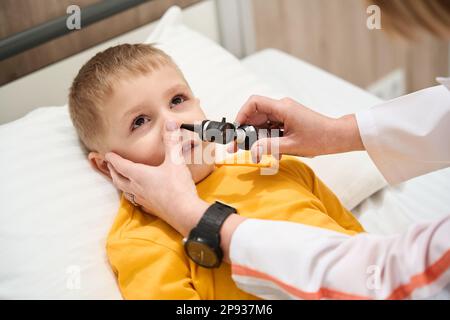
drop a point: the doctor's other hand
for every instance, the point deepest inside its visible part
(306, 132)
(155, 187)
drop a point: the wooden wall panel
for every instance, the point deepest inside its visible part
(19, 15)
(332, 34)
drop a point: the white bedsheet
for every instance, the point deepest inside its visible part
(394, 208)
(390, 210)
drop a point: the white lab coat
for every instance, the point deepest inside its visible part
(405, 137)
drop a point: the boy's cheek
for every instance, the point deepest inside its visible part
(151, 157)
(149, 154)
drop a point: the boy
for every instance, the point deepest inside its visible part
(119, 102)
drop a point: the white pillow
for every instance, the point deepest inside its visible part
(56, 213)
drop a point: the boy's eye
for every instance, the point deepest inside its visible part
(177, 100)
(139, 121)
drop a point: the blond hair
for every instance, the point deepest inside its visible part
(95, 82)
(407, 17)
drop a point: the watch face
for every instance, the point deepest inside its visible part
(201, 253)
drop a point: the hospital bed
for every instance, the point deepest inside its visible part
(56, 211)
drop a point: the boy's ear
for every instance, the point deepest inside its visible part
(99, 163)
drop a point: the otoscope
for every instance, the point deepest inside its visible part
(225, 132)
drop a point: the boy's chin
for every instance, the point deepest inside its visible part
(200, 171)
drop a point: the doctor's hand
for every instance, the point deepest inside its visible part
(167, 190)
(306, 132)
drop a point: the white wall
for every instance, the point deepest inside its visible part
(237, 26)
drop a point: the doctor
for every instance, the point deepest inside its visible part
(405, 137)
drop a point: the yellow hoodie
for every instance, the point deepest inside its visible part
(148, 257)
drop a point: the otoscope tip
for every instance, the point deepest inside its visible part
(188, 126)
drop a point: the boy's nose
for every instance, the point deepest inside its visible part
(184, 133)
(168, 116)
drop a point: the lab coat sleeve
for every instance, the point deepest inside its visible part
(405, 137)
(283, 260)
(408, 136)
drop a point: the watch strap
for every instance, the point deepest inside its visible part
(213, 219)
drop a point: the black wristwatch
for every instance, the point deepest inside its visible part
(203, 243)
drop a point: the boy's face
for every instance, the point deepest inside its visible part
(135, 116)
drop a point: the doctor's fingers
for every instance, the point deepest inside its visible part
(126, 186)
(273, 146)
(125, 167)
(120, 181)
(258, 110)
(232, 147)
(172, 143)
